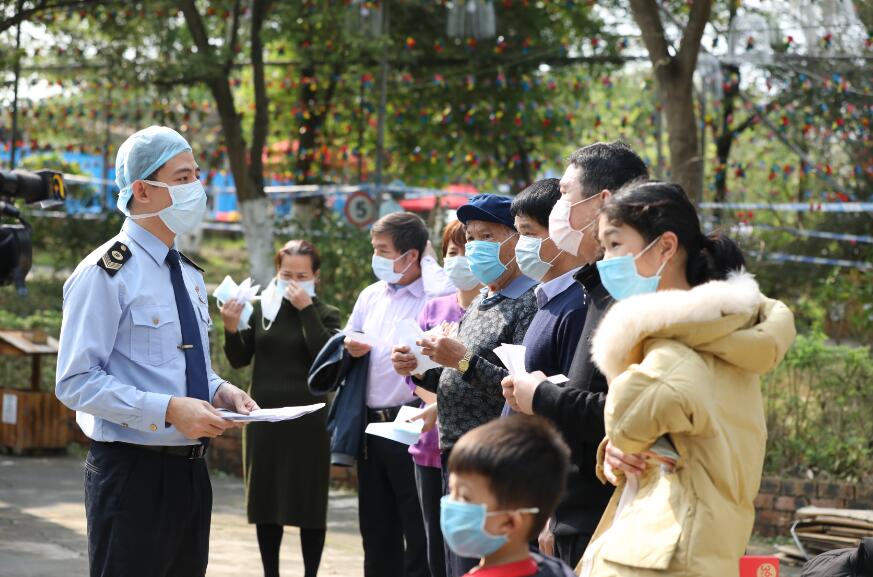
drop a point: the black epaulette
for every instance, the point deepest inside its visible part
(191, 262)
(118, 254)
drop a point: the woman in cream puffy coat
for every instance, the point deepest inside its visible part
(683, 351)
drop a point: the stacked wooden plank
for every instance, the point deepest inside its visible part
(818, 529)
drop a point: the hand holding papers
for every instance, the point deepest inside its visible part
(519, 386)
(406, 333)
(270, 415)
(366, 339)
(401, 429)
(512, 357)
(244, 293)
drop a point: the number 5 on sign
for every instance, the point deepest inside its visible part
(360, 209)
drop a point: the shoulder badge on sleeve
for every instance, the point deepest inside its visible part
(114, 258)
(191, 262)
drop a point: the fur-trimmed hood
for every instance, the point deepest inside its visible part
(730, 319)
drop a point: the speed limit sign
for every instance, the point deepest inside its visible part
(360, 209)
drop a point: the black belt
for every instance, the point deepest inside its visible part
(189, 451)
(382, 415)
(388, 414)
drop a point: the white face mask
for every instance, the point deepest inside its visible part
(271, 302)
(187, 210)
(383, 268)
(561, 231)
(458, 270)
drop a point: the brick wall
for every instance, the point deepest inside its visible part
(779, 499)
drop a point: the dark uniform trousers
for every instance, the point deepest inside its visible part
(388, 510)
(148, 513)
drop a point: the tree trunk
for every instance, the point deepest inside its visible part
(674, 73)
(257, 220)
(685, 159)
(254, 206)
(724, 139)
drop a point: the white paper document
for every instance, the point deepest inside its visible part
(400, 430)
(512, 357)
(367, 339)
(406, 332)
(270, 415)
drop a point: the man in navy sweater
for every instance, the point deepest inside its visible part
(554, 331)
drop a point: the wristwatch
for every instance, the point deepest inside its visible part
(464, 363)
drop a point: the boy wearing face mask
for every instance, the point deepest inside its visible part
(505, 478)
(553, 333)
(134, 364)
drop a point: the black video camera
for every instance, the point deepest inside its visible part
(16, 250)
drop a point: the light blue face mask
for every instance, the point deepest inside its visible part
(186, 212)
(458, 270)
(383, 268)
(620, 277)
(527, 255)
(484, 259)
(463, 527)
(308, 286)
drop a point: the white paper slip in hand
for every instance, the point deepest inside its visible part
(512, 357)
(406, 333)
(270, 415)
(366, 339)
(401, 429)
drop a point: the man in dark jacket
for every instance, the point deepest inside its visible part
(576, 407)
(855, 562)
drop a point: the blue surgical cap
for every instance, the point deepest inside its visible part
(143, 153)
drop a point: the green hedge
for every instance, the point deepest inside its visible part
(818, 404)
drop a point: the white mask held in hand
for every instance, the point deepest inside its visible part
(245, 292)
(561, 231)
(271, 302)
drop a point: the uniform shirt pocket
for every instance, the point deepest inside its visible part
(205, 324)
(154, 334)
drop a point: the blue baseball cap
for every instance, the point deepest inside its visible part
(488, 207)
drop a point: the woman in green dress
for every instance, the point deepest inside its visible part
(287, 464)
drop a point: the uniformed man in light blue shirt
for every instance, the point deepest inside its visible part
(134, 365)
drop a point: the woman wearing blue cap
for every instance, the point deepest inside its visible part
(133, 362)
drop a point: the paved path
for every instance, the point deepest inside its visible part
(42, 526)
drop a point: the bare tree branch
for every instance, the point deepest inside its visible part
(234, 36)
(262, 120)
(648, 18)
(196, 27)
(46, 6)
(689, 46)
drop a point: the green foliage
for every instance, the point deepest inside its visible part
(39, 310)
(818, 410)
